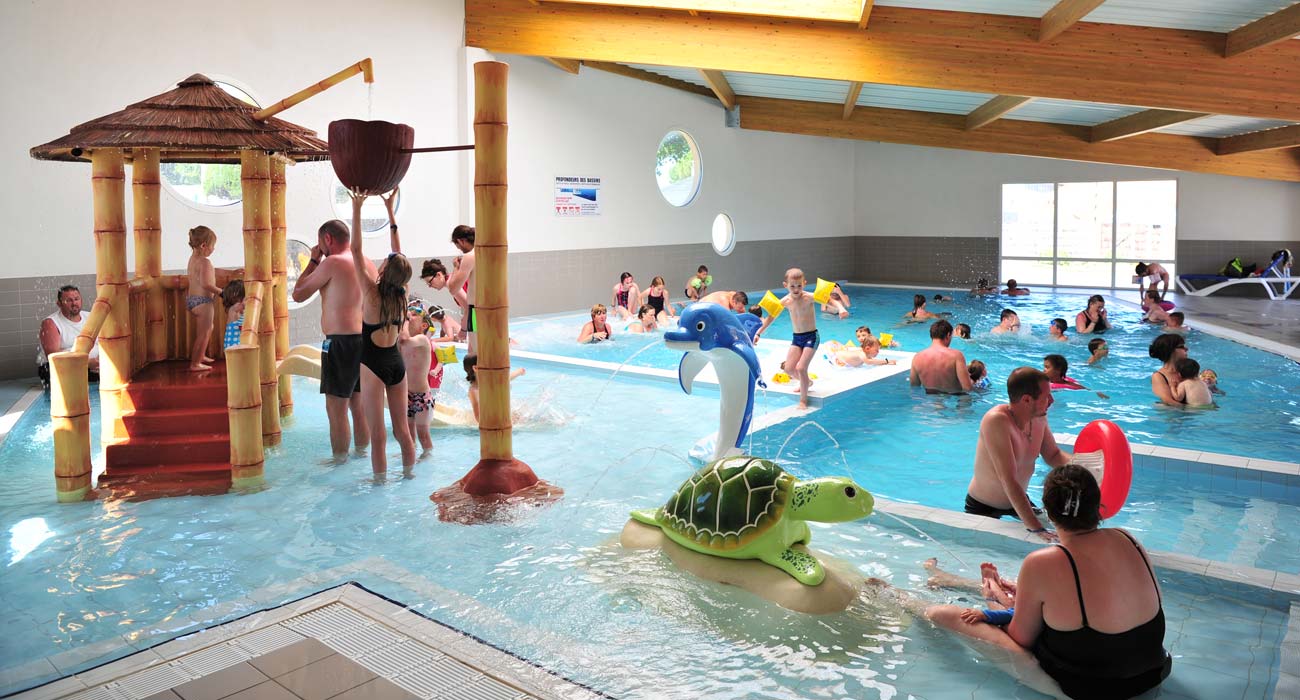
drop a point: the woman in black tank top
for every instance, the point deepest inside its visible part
(1105, 566)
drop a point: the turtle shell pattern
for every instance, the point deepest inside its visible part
(729, 503)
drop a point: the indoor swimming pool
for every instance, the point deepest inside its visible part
(94, 581)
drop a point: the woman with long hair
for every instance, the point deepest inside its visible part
(383, 313)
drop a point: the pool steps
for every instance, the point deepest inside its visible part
(173, 437)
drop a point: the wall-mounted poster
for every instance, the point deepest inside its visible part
(577, 196)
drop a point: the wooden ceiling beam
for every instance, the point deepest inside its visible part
(1065, 141)
(721, 88)
(1267, 140)
(823, 10)
(993, 110)
(647, 76)
(1140, 123)
(866, 13)
(1149, 67)
(1280, 25)
(567, 65)
(1062, 16)
(851, 100)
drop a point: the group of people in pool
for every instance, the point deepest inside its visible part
(380, 347)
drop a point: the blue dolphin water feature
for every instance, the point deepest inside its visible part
(709, 333)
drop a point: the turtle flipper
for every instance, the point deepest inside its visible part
(649, 517)
(803, 566)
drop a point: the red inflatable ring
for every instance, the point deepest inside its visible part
(1117, 473)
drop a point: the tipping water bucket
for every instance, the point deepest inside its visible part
(370, 157)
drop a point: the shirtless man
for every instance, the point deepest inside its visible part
(1014, 290)
(1011, 437)
(331, 272)
(461, 282)
(1009, 323)
(1154, 272)
(939, 368)
(736, 301)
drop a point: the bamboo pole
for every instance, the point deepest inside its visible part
(365, 67)
(280, 274)
(145, 191)
(244, 402)
(255, 175)
(90, 329)
(108, 187)
(497, 471)
(70, 417)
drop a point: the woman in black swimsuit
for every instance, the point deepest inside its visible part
(1093, 319)
(1169, 349)
(383, 311)
(1089, 609)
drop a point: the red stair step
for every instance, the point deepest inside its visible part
(168, 449)
(177, 421)
(205, 470)
(151, 396)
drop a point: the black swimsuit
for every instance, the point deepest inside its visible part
(1099, 324)
(1091, 664)
(656, 303)
(386, 363)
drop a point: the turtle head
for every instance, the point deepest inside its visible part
(832, 499)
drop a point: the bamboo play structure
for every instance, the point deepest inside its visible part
(142, 320)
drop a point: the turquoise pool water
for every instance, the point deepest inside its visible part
(82, 579)
(1259, 416)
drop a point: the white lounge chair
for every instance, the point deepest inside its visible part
(1277, 280)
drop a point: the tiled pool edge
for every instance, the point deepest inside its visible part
(13, 413)
(1281, 582)
(491, 662)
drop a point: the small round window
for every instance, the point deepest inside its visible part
(724, 235)
(299, 254)
(208, 184)
(374, 215)
(677, 168)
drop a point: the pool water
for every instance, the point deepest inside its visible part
(549, 585)
(1258, 416)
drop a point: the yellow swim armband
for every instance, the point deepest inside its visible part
(822, 293)
(771, 304)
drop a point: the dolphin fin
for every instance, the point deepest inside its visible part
(691, 365)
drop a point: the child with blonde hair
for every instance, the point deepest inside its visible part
(804, 343)
(417, 357)
(203, 284)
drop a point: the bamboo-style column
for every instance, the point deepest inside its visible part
(109, 189)
(70, 417)
(497, 472)
(280, 273)
(365, 67)
(244, 401)
(255, 176)
(145, 191)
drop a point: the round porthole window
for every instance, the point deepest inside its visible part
(724, 235)
(299, 254)
(374, 216)
(208, 184)
(677, 168)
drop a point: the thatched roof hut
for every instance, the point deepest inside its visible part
(198, 122)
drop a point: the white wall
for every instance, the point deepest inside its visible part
(84, 60)
(919, 191)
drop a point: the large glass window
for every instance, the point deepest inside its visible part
(677, 168)
(1087, 234)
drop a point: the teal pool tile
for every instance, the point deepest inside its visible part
(1175, 466)
(1199, 479)
(1223, 484)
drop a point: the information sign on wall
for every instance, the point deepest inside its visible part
(577, 196)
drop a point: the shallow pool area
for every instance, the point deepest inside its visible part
(89, 582)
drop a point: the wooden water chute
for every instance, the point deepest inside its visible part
(141, 320)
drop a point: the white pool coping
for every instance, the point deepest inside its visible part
(388, 627)
(16, 411)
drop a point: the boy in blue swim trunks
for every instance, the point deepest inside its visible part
(802, 317)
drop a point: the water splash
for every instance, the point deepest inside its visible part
(813, 424)
(370, 100)
(618, 369)
(926, 536)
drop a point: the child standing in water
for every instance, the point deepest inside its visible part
(233, 298)
(804, 343)
(1192, 391)
(203, 284)
(417, 356)
(471, 375)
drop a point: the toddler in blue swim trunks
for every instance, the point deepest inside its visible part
(804, 344)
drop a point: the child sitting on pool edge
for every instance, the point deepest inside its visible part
(1191, 391)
